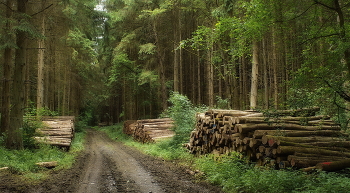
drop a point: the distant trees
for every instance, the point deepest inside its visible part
(211, 49)
(49, 54)
(124, 62)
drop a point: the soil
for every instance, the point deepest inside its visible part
(109, 166)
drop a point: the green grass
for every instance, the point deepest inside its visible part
(165, 148)
(23, 161)
(234, 174)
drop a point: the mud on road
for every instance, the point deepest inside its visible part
(110, 166)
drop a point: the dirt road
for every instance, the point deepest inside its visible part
(109, 166)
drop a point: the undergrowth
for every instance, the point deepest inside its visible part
(23, 161)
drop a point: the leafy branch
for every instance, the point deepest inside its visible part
(339, 91)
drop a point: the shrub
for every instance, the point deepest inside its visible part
(183, 113)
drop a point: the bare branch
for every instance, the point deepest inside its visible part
(41, 10)
(318, 37)
(7, 6)
(324, 5)
(340, 92)
(307, 9)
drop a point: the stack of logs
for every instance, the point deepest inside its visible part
(57, 131)
(149, 130)
(282, 140)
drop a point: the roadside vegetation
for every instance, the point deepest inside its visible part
(23, 162)
(232, 172)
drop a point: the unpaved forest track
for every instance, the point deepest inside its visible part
(109, 166)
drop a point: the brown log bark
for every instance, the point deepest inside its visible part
(290, 150)
(262, 119)
(309, 139)
(51, 164)
(293, 133)
(219, 113)
(333, 166)
(245, 128)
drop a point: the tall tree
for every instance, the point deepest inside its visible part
(254, 79)
(41, 52)
(14, 134)
(5, 105)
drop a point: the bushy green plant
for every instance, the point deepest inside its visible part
(222, 103)
(30, 124)
(236, 175)
(183, 112)
(85, 120)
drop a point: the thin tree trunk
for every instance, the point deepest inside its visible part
(40, 80)
(254, 79)
(274, 66)
(176, 52)
(199, 93)
(210, 77)
(266, 84)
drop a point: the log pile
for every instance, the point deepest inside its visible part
(149, 130)
(57, 131)
(129, 126)
(280, 140)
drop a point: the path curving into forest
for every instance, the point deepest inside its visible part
(110, 166)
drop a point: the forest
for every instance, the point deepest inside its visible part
(115, 60)
(106, 63)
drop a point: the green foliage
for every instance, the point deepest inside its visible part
(202, 39)
(148, 77)
(146, 50)
(235, 175)
(222, 103)
(31, 110)
(183, 113)
(31, 122)
(317, 87)
(83, 47)
(85, 119)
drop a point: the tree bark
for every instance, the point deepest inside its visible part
(5, 110)
(14, 138)
(40, 80)
(254, 79)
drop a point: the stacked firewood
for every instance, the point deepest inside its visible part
(129, 126)
(149, 130)
(58, 131)
(282, 139)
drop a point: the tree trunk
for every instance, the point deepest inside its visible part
(210, 76)
(40, 80)
(341, 22)
(254, 79)
(199, 87)
(5, 110)
(14, 135)
(274, 66)
(176, 51)
(266, 83)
